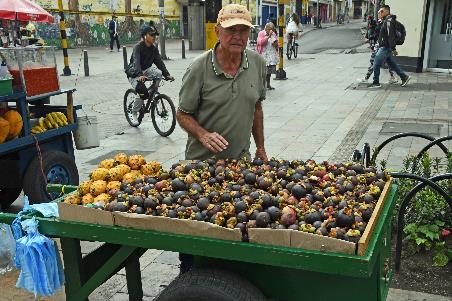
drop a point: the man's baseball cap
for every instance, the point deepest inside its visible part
(234, 14)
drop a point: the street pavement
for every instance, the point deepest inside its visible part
(322, 111)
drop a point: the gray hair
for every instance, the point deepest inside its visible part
(269, 25)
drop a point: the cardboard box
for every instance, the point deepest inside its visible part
(176, 226)
(76, 213)
(280, 237)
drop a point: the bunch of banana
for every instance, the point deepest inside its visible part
(52, 120)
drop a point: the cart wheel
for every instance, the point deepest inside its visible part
(208, 285)
(8, 196)
(58, 167)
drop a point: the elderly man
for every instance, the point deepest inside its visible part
(220, 101)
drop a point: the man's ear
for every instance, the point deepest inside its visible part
(217, 31)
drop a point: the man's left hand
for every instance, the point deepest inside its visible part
(169, 77)
(260, 153)
(394, 52)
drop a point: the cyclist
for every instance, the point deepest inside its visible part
(145, 55)
(293, 27)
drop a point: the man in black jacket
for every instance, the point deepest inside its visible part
(113, 31)
(144, 55)
(387, 48)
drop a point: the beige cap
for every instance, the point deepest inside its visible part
(234, 14)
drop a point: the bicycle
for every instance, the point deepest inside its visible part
(159, 105)
(292, 47)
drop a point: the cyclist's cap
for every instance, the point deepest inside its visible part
(234, 14)
(148, 29)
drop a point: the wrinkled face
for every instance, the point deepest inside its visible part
(234, 38)
(149, 38)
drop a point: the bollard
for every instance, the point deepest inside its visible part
(183, 48)
(124, 56)
(85, 62)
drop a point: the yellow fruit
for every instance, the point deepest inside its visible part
(129, 177)
(4, 129)
(121, 158)
(103, 197)
(123, 168)
(99, 174)
(15, 123)
(151, 168)
(83, 188)
(107, 163)
(87, 199)
(115, 174)
(98, 187)
(136, 161)
(73, 199)
(113, 185)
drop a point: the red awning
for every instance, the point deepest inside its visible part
(23, 10)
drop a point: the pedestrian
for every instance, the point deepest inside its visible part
(267, 45)
(372, 35)
(387, 48)
(141, 68)
(220, 101)
(113, 31)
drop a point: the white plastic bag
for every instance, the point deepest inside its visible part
(7, 249)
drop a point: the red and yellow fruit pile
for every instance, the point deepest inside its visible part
(335, 200)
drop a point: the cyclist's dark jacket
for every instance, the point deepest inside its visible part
(143, 57)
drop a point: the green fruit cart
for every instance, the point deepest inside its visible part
(225, 270)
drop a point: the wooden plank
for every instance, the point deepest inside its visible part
(365, 238)
(70, 108)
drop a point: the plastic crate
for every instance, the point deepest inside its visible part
(33, 69)
(6, 87)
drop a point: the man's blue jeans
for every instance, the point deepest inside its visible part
(385, 54)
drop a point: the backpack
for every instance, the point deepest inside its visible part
(400, 33)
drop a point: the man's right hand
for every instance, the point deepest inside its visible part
(142, 78)
(214, 142)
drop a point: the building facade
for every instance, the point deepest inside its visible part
(428, 44)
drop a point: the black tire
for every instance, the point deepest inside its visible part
(208, 285)
(53, 162)
(128, 103)
(289, 51)
(8, 196)
(163, 108)
(295, 51)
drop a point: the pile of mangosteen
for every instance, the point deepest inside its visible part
(335, 200)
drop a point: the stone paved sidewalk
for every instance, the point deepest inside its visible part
(320, 112)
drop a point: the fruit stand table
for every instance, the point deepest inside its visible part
(277, 272)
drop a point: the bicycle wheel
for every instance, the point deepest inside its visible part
(295, 51)
(129, 98)
(163, 114)
(289, 51)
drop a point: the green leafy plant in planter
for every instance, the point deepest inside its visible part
(428, 216)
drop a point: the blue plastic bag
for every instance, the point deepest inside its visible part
(7, 249)
(36, 255)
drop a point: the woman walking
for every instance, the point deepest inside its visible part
(267, 45)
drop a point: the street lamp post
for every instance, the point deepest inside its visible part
(318, 14)
(66, 70)
(162, 29)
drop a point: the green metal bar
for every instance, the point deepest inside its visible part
(133, 276)
(73, 268)
(103, 273)
(93, 261)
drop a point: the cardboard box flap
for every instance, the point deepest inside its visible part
(280, 237)
(76, 213)
(176, 226)
(316, 242)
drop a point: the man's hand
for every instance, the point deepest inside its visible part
(214, 142)
(169, 77)
(260, 153)
(142, 78)
(395, 53)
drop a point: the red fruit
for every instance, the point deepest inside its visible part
(288, 217)
(327, 177)
(320, 173)
(445, 232)
(161, 185)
